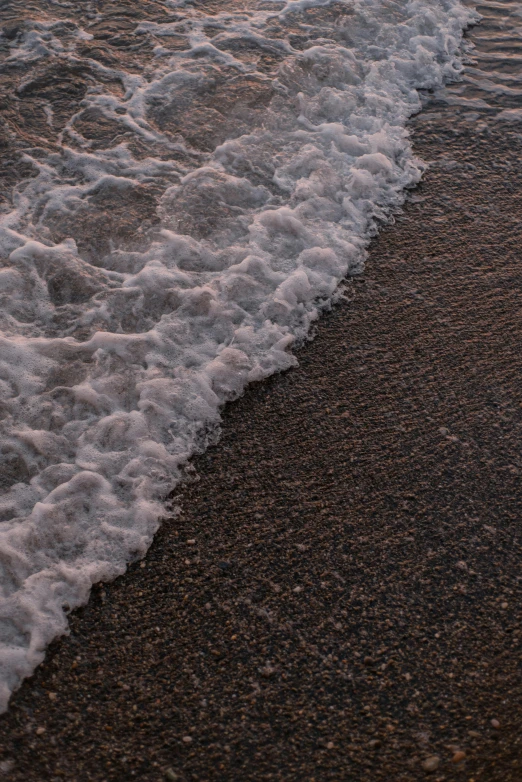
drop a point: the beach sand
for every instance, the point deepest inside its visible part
(340, 597)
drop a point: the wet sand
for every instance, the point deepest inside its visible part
(340, 597)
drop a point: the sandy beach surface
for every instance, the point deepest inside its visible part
(340, 597)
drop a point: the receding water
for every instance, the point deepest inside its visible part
(492, 81)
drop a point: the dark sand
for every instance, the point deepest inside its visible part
(340, 598)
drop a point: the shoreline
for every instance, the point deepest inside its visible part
(350, 608)
(183, 226)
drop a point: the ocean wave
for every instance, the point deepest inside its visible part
(215, 176)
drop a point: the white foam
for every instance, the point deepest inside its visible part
(114, 362)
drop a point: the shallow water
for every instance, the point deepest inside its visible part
(492, 82)
(186, 187)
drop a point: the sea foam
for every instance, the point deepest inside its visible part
(272, 144)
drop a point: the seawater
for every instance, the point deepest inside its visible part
(186, 226)
(491, 87)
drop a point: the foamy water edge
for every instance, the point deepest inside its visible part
(114, 368)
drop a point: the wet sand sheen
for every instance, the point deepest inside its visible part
(340, 598)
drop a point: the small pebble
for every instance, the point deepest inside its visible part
(458, 757)
(39, 731)
(432, 763)
(495, 724)
(330, 745)
(191, 542)
(187, 739)
(171, 775)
